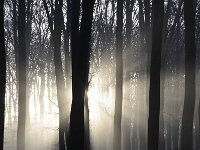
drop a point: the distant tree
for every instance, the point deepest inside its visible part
(66, 33)
(128, 57)
(119, 77)
(155, 67)
(2, 74)
(15, 45)
(162, 76)
(28, 29)
(22, 76)
(55, 24)
(190, 58)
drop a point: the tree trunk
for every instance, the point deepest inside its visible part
(190, 58)
(29, 16)
(80, 68)
(2, 74)
(154, 91)
(66, 33)
(119, 78)
(61, 95)
(41, 97)
(76, 133)
(15, 38)
(127, 108)
(22, 77)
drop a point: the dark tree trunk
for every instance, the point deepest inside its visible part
(2, 74)
(22, 77)
(80, 71)
(61, 95)
(119, 78)
(59, 72)
(190, 58)
(199, 117)
(76, 133)
(154, 91)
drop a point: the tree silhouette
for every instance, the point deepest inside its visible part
(80, 45)
(119, 78)
(154, 90)
(22, 76)
(190, 58)
(2, 74)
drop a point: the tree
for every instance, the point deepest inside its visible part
(128, 57)
(56, 31)
(119, 77)
(22, 77)
(2, 74)
(66, 33)
(190, 58)
(80, 71)
(154, 90)
(162, 78)
(15, 45)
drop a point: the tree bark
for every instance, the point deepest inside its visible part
(15, 38)
(119, 78)
(190, 58)
(22, 77)
(56, 30)
(80, 68)
(154, 91)
(2, 74)
(127, 120)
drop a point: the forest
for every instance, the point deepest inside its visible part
(100, 75)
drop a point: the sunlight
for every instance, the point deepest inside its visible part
(93, 97)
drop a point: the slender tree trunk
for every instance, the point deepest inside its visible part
(22, 77)
(199, 116)
(190, 58)
(56, 30)
(14, 22)
(66, 42)
(49, 78)
(29, 16)
(2, 74)
(154, 91)
(66, 33)
(59, 72)
(41, 97)
(86, 123)
(163, 76)
(148, 46)
(127, 119)
(119, 78)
